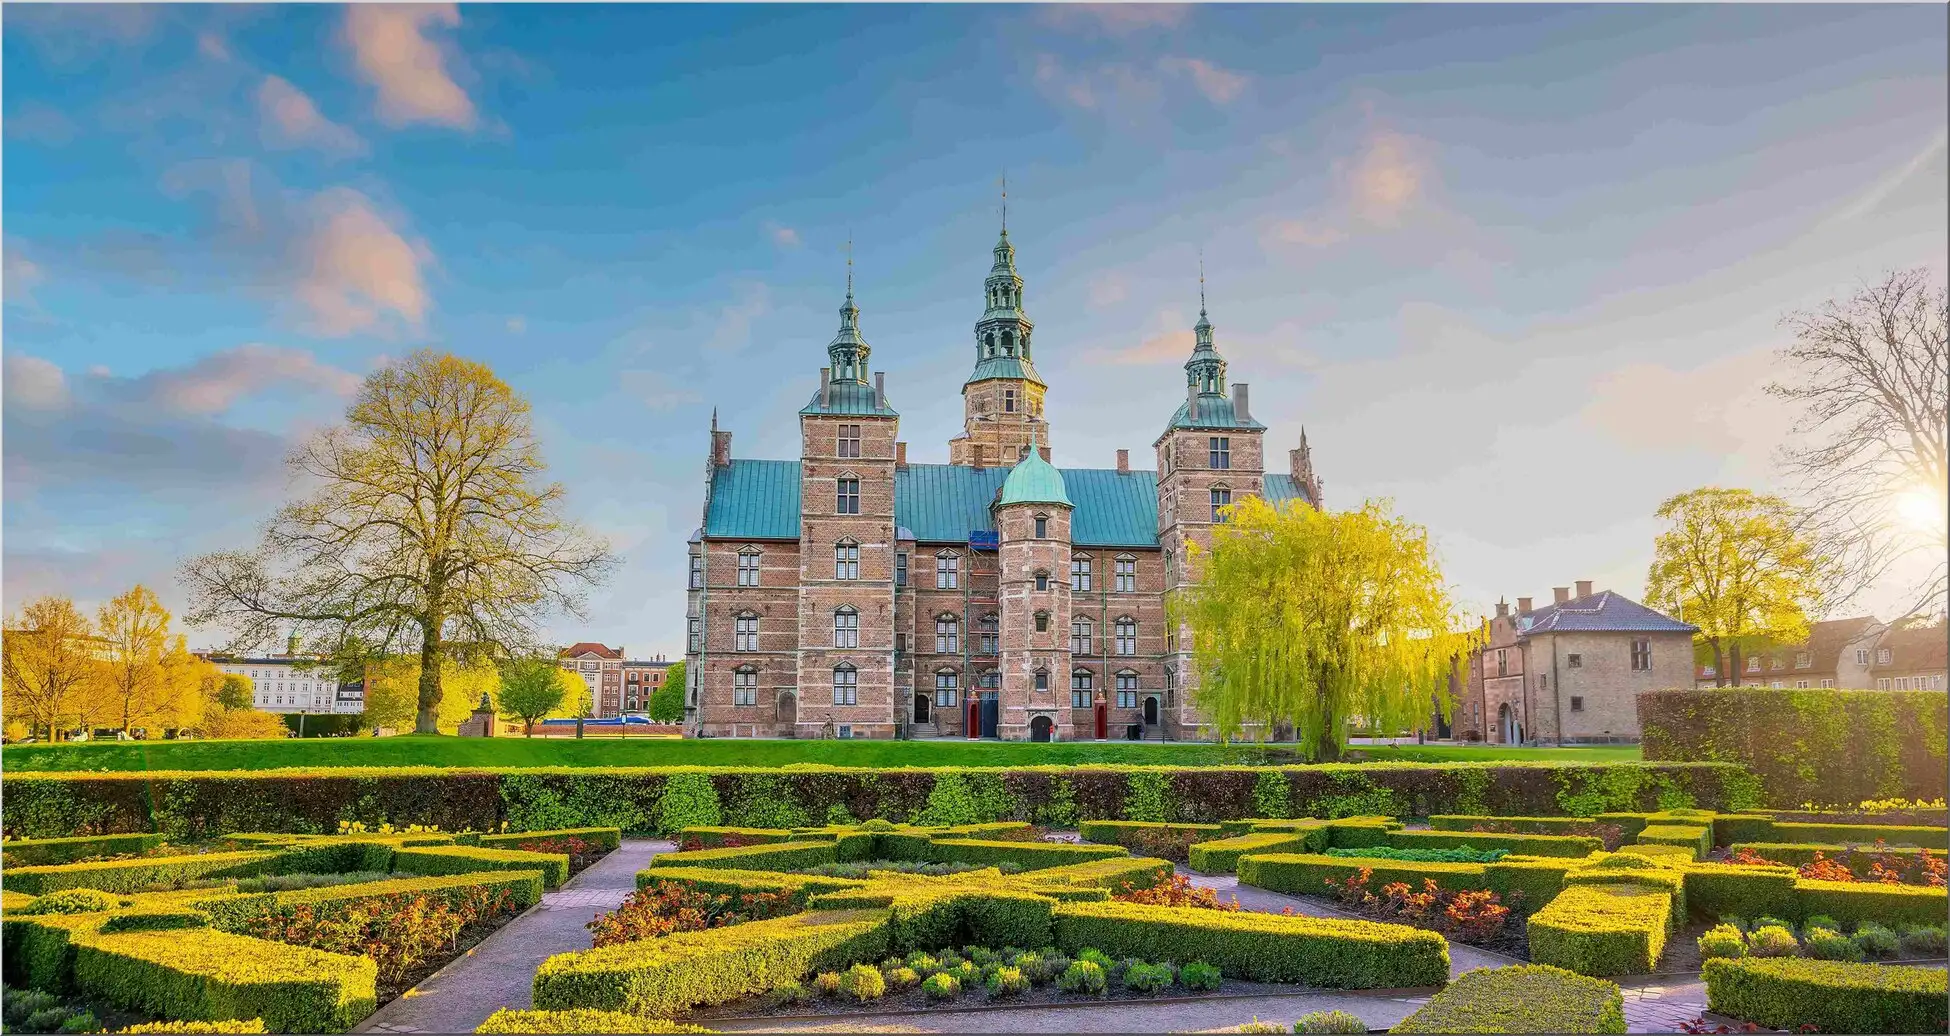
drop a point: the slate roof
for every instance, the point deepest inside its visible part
(1826, 643)
(1912, 646)
(1602, 612)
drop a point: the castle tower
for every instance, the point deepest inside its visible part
(1032, 522)
(1002, 400)
(845, 622)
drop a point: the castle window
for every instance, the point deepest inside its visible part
(1577, 703)
(849, 440)
(985, 633)
(1080, 637)
(1171, 568)
(1042, 622)
(947, 688)
(1042, 527)
(1080, 689)
(1127, 636)
(1127, 690)
(900, 569)
(1080, 574)
(846, 685)
(1042, 580)
(947, 572)
(1221, 499)
(744, 686)
(947, 635)
(1008, 401)
(847, 496)
(1126, 571)
(745, 633)
(748, 568)
(846, 560)
(697, 571)
(992, 680)
(846, 628)
(1042, 680)
(1219, 452)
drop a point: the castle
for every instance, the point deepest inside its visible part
(850, 593)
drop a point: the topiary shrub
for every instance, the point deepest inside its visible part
(1330, 1022)
(941, 986)
(1084, 976)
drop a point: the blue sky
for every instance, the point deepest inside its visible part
(1518, 268)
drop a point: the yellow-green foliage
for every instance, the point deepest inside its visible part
(127, 875)
(716, 837)
(1729, 890)
(1602, 930)
(1864, 834)
(1121, 832)
(1853, 901)
(1527, 845)
(1832, 996)
(1523, 998)
(604, 838)
(1222, 855)
(1697, 838)
(37, 852)
(507, 1021)
(1029, 855)
(11, 901)
(729, 882)
(1114, 872)
(782, 856)
(461, 859)
(1308, 874)
(243, 912)
(1324, 952)
(236, 1025)
(202, 975)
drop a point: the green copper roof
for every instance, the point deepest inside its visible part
(1214, 412)
(849, 399)
(1281, 488)
(1034, 481)
(1005, 367)
(754, 500)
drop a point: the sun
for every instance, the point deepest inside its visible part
(1922, 509)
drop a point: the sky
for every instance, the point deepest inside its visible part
(1518, 269)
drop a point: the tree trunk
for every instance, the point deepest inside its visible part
(1719, 663)
(427, 722)
(1734, 657)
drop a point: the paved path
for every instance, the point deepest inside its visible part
(500, 972)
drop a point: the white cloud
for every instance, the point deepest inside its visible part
(394, 53)
(33, 383)
(1717, 407)
(212, 384)
(289, 119)
(18, 274)
(355, 271)
(1219, 85)
(1114, 18)
(782, 236)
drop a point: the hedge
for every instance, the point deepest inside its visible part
(1602, 930)
(607, 839)
(1832, 996)
(780, 856)
(39, 852)
(1029, 855)
(1222, 855)
(1121, 832)
(511, 1021)
(1853, 901)
(1864, 834)
(461, 859)
(1521, 998)
(716, 837)
(202, 975)
(1726, 890)
(1526, 885)
(1696, 839)
(725, 881)
(1800, 854)
(242, 913)
(1112, 872)
(200, 804)
(39, 949)
(1527, 845)
(1809, 745)
(1327, 953)
(1307, 874)
(128, 875)
(677, 972)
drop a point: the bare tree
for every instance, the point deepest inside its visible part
(1870, 372)
(426, 530)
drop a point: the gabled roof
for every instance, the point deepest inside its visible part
(591, 648)
(1826, 643)
(1602, 612)
(1912, 646)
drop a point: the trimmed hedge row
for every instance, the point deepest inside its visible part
(1809, 745)
(460, 859)
(1800, 854)
(726, 881)
(1323, 952)
(199, 804)
(1833, 996)
(607, 839)
(779, 855)
(1521, 998)
(1527, 845)
(1524, 884)
(1852, 902)
(1122, 832)
(1222, 855)
(241, 912)
(1696, 839)
(41, 852)
(1602, 929)
(1030, 855)
(128, 875)
(1863, 834)
(202, 975)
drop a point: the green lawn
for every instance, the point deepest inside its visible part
(417, 750)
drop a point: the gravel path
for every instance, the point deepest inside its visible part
(500, 972)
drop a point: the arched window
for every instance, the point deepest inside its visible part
(1127, 690)
(846, 560)
(744, 686)
(1080, 636)
(748, 566)
(846, 628)
(846, 685)
(1125, 567)
(947, 635)
(986, 629)
(1042, 622)
(1081, 684)
(1126, 635)
(947, 688)
(745, 632)
(1042, 580)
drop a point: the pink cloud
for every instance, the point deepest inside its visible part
(33, 383)
(1219, 85)
(291, 120)
(394, 53)
(1304, 232)
(1118, 19)
(1386, 178)
(213, 384)
(354, 270)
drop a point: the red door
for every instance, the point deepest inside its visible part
(1103, 721)
(974, 718)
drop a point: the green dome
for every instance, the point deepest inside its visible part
(1033, 481)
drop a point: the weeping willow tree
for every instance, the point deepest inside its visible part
(1312, 618)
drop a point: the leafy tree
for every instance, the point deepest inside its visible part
(667, 703)
(236, 691)
(393, 685)
(244, 724)
(50, 665)
(134, 627)
(1872, 373)
(530, 689)
(427, 531)
(1315, 618)
(1735, 564)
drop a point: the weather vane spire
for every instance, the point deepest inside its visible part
(1005, 202)
(1201, 280)
(849, 264)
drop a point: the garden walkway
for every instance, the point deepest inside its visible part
(500, 972)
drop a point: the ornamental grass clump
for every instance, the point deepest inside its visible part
(1083, 976)
(1330, 1022)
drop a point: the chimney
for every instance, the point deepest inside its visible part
(1584, 588)
(1502, 609)
(825, 386)
(880, 388)
(975, 455)
(1239, 402)
(1044, 450)
(900, 455)
(1523, 606)
(1295, 465)
(1562, 593)
(1191, 401)
(720, 449)
(1123, 462)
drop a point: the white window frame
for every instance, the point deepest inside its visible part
(846, 685)
(846, 627)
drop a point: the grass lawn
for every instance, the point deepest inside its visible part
(419, 750)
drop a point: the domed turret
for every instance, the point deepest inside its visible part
(1033, 481)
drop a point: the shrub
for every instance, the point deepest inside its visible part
(1460, 854)
(1925, 940)
(606, 839)
(780, 856)
(1177, 891)
(1828, 944)
(1097, 957)
(1821, 921)
(666, 907)
(398, 930)
(1696, 838)
(462, 859)
(241, 1025)
(1258, 1026)
(689, 799)
(1221, 856)
(1084, 976)
(903, 977)
(511, 1021)
(1875, 940)
(1528, 845)
(1330, 1022)
(1200, 977)
(1833, 996)
(1007, 981)
(941, 986)
(1935, 837)
(968, 973)
(1773, 941)
(1522, 998)
(1722, 941)
(71, 901)
(1030, 855)
(1867, 901)
(863, 982)
(38, 852)
(923, 962)
(130, 875)
(827, 982)
(203, 974)
(1149, 978)
(1324, 952)
(1602, 930)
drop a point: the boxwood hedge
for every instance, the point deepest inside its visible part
(1521, 998)
(462, 859)
(38, 852)
(202, 975)
(128, 875)
(1602, 929)
(1329, 953)
(1832, 996)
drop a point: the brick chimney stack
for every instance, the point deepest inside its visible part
(720, 449)
(1502, 609)
(1239, 402)
(1123, 462)
(880, 387)
(1562, 593)
(900, 455)
(1584, 588)
(825, 386)
(1523, 606)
